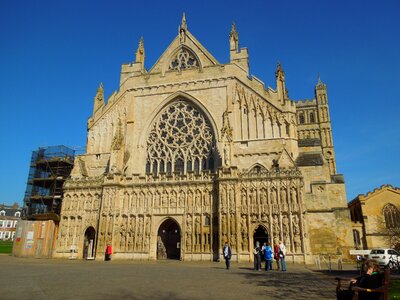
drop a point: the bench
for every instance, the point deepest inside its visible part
(382, 290)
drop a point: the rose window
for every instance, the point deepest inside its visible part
(181, 141)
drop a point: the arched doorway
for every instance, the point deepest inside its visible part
(88, 243)
(169, 240)
(260, 235)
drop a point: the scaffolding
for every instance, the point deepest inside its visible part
(49, 168)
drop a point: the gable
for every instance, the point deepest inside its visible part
(374, 202)
(192, 48)
(285, 161)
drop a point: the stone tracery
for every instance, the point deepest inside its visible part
(184, 59)
(181, 140)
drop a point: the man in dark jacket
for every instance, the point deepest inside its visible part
(227, 252)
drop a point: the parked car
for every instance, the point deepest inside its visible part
(386, 257)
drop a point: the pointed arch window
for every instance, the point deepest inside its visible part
(312, 117)
(301, 118)
(391, 215)
(184, 59)
(182, 140)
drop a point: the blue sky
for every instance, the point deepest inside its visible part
(54, 54)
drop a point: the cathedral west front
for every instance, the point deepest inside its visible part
(193, 153)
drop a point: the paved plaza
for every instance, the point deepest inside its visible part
(26, 278)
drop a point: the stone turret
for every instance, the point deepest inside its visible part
(240, 57)
(98, 99)
(281, 84)
(321, 97)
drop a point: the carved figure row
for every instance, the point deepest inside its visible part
(309, 134)
(101, 135)
(264, 199)
(168, 198)
(70, 232)
(197, 233)
(282, 227)
(126, 233)
(83, 201)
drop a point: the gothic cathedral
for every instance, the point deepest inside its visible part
(193, 153)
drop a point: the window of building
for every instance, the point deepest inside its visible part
(6, 235)
(356, 238)
(184, 59)
(180, 141)
(1, 224)
(391, 215)
(312, 117)
(1, 235)
(2, 213)
(13, 235)
(15, 224)
(301, 118)
(17, 214)
(9, 224)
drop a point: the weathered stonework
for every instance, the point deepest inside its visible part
(210, 148)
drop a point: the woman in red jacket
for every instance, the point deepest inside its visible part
(276, 255)
(108, 252)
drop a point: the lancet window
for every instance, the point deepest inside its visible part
(392, 216)
(184, 59)
(181, 141)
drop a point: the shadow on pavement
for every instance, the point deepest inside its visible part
(287, 285)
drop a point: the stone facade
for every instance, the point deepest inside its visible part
(208, 147)
(374, 216)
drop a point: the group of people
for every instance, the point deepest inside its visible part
(266, 251)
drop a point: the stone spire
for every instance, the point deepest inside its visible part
(98, 99)
(279, 73)
(234, 38)
(320, 85)
(118, 137)
(280, 83)
(140, 55)
(184, 25)
(182, 29)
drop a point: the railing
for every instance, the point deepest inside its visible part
(328, 262)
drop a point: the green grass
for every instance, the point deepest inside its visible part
(6, 246)
(394, 290)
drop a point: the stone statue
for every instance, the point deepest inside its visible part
(190, 200)
(285, 224)
(284, 199)
(276, 226)
(189, 241)
(243, 198)
(233, 229)
(227, 155)
(189, 223)
(296, 227)
(197, 230)
(294, 200)
(275, 208)
(223, 224)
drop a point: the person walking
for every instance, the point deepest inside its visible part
(257, 257)
(268, 257)
(282, 255)
(227, 252)
(276, 255)
(108, 252)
